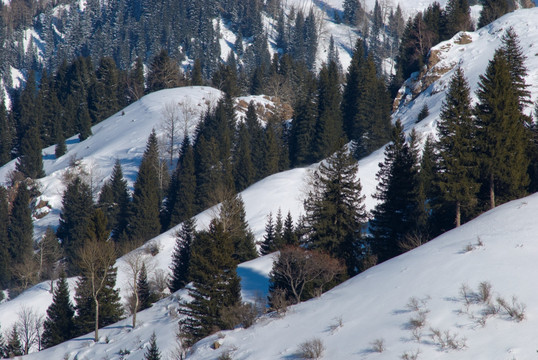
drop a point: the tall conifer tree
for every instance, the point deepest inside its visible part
(181, 256)
(396, 215)
(215, 283)
(502, 138)
(5, 256)
(59, 326)
(458, 167)
(20, 229)
(144, 220)
(335, 211)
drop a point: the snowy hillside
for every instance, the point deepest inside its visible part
(498, 248)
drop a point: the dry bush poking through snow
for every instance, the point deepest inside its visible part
(447, 340)
(515, 310)
(410, 355)
(311, 349)
(378, 345)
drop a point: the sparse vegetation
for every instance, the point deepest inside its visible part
(515, 309)
(378, 345)
(311, 349)
(410, 355)
(447, 340)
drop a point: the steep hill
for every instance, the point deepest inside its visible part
(374, 307)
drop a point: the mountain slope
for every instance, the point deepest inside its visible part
(372, 305)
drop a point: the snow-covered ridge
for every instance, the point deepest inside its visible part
(499, 247)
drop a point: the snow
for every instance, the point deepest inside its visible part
(498, 247)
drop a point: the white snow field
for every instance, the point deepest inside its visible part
(371, 309)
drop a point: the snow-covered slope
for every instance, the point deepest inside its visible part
(372, 306)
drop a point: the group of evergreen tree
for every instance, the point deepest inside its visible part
(482, 158)
(208, 259)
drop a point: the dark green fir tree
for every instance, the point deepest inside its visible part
(396, 215)
(216, 285)
(181, 256)
(30, 162)
(458, 167)
(502, 137)
(5, 255)
(180, 202)
(20, 228)
(335, 213)
(144, 219)
(153, 352)
(77, 209)
(59, 325)
(145, 296)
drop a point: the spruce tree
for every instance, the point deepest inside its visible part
(30, 162)
(244, 170)
(77, 209)
(114, 200)
(268, 245)
(144, 219)
(395, 216)
(153, 352)
(457, 160)
(511, 49)
(328, 128)
(145, 296)
(5, 136)
(233, 217)
(5, 256)
(289, 236)
(303, 126)
(180, 202)
(59, 325)
(21, 229)
(181, 256)
(13, 343)
(216, 285)
(335, 211)
(501, 135)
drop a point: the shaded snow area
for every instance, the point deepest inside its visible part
(424, 302)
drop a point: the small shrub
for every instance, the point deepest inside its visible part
(515, 310)
(447, 340)
(484, 292)
(338, 323)
(225, 356)
(378, 345)
(311, 349)
(410, 355)
(243, 314)
(278, 301)
(153, 249)
(418, 321)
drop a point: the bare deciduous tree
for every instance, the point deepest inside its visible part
(171, 126)
(26, 272)
(298, 267)
(135, 260)
(29, 324)
(96, 259)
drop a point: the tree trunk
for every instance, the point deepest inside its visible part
(135, 310)
(96, 319)
(458, 214)
(491, 192)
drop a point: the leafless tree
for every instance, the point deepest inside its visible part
(96, 259)
(170, 126)
(134, 260)
(299, 267)
(26, 272)
(188, 111)
(29, 324)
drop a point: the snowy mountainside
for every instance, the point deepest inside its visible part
(472, 52)
(498, 247)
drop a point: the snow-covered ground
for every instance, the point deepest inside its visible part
(498, 247)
